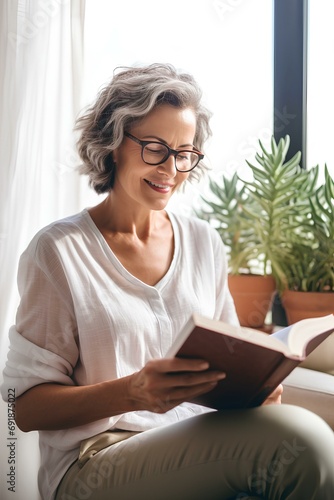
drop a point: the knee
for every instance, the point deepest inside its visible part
(306, 452)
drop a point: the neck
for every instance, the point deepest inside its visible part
(140, 222)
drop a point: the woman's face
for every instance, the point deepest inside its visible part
(147, 185)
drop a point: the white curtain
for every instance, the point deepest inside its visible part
(41, 67)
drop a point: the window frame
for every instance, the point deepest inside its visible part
(290, 73)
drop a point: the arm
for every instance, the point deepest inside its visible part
(48, 340)
(158, 387)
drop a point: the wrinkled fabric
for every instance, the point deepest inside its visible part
(83, 319)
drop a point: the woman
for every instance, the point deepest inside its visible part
(103, 295)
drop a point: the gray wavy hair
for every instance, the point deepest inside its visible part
(127, 99)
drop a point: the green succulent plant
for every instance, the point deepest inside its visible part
(313, 247)
(279, 222)
(227, 213)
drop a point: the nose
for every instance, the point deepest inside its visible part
(168, 167)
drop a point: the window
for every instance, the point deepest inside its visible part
(225, 44)
(320, 96)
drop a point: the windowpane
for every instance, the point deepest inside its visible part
(225, 44)
(320, 95)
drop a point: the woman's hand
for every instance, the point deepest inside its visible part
(165, 383)
(275, 397)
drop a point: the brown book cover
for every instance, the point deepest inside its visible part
(255, 363)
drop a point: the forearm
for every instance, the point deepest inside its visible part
(158, 387)
(54, 407)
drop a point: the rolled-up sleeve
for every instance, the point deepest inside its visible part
(43, 344)
(29, 365)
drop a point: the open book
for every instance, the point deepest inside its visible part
(255, 363)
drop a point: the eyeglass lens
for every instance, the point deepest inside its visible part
(155, 153)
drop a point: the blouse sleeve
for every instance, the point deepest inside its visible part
(225, 308)
(43, 343)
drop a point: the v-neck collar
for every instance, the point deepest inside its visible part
(119, 266)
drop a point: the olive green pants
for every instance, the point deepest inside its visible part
(271, 452)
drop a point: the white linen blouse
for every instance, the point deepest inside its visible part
(83, 319)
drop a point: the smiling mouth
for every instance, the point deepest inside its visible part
(165, 187)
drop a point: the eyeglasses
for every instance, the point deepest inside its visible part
(155, 153)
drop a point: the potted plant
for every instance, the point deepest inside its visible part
(252, 218)
(251, 287)
(310, 276)
(255, 218)
(279, 224)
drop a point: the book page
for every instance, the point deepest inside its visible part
(297, 336)
(304, 331)
(282, 335)
(291, 341)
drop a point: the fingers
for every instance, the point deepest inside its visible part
(275, 397)
(176, 396)
(164, 384)
(181, 372)
(177, 365)
(190, 379)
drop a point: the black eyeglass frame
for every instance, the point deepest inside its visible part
(170, 152)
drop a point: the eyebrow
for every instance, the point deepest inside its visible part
(164, 142)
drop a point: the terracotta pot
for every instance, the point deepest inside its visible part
(302, 305)
(253, 296)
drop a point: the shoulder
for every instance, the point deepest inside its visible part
(58, 235)
(193, 227)
(63, 228)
